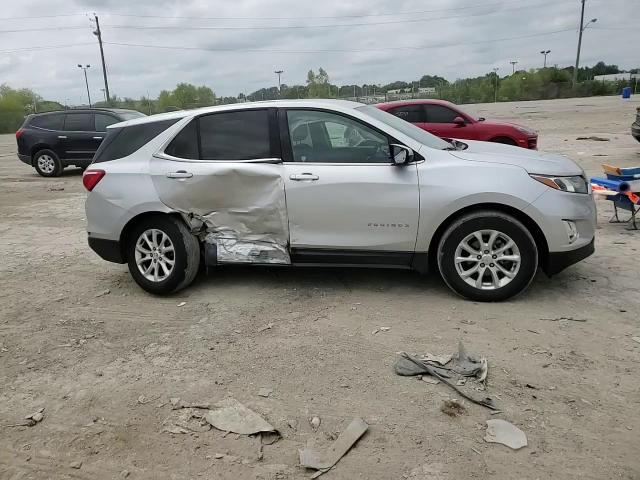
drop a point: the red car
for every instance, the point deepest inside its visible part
(446, 120)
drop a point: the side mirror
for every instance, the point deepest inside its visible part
(400, 154)
(459, 121)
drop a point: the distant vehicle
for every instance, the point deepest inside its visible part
(51, 141)
(635, 126)
(446, 120)
(322, 182)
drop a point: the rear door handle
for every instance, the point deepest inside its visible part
(180, 174)
(301, 177)
(97, 138)
(62, 136)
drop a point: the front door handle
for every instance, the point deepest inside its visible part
(301, 177)
(180, 174)
(97, 138)
(62, 136)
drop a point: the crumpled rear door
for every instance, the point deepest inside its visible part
(238, 206)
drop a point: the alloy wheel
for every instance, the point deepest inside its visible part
(155, 255)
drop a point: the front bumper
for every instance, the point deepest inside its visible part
(108, 250)
(558, 261)
(530, 143)
(25, 158)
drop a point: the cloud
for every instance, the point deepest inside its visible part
(135, 70)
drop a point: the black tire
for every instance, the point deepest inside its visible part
(507, 225)
(40, 165)
(186, 254)
(505, 141)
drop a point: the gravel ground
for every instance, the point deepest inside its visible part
(87, 356)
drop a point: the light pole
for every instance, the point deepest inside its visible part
(495, 91)
(513, 64)
(545, 53)
(86, 81)
(583, 27)
(279, 72)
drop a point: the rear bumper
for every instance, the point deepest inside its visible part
(558, 261)
(25, 158)
(108, 250)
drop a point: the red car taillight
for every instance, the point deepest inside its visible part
(90, 178)
(19, 133)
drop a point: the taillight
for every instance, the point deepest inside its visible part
(90, 178)
(19, 133)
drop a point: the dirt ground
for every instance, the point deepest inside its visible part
(87, 356)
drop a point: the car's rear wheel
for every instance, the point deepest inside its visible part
(487, 256)
(163, 255)
(47, 163)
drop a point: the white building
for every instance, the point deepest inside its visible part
(617, 77)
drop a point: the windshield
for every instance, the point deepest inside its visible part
(405, 127)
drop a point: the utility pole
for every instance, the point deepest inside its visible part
(545, 53)
(513, 64)
(495, 91)
(104, 94)
(98, 34)
(279, 72)
(583, 27)
(86, 81)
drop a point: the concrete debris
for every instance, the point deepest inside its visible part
(324, 461)
(265, 392)
(636, 339)
(75, 465)
(232, 416)
(182, 304)
(142, 400)
(102, 293)
(30, 420)
(174, 429)
(439, 359)
(501, 431)
(268, 326)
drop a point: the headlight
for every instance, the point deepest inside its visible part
(525, 130)
(575, 184)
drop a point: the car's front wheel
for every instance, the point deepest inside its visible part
(47, 163)
(487, 256)
(162, 254)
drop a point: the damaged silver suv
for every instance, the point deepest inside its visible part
(321, 182)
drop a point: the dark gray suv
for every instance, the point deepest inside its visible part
(54, 140)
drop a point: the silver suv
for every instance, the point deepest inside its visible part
(320, 182)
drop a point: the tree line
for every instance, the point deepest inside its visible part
(535, 84)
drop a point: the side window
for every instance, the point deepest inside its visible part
(103, 121)
(52, 121)
(440, 114)
(236, 135)
(410, 113)
(79, 122)
(185, 144)
(325, 137)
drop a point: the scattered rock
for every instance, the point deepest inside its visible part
(219, 456)
(315, 422)
(175, 429)
(594, 138)
(430, 380)
(182, 304)
(501, 431)
(232, 416)
(265, 392)
(125, 473)
(636, 339)
(102, 293)
(453, 408)
(268, 326)
(56, 188)
(76, 464)
(142, 400)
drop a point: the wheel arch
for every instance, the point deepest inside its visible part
(526, 220)
(505, 139)
(133, 221)
(37, 148)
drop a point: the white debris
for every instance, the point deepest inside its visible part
(501, 431)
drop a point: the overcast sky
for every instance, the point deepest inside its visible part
(451, 38)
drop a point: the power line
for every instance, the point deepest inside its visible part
(42, 29)
(364, 15)
(45, 47)
(43, 16)
(374, 49)
(287, 27)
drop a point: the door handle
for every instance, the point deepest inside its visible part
(97, 138)
(301, 177)
(180, 174)
(62, 136)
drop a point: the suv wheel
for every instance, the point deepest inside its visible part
(47, 163)
(162, 254)
(487, 256)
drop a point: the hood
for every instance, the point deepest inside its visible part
(532, 161)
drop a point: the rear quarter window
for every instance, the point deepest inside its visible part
(79, 122)
(51, 121)
(122, 142)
